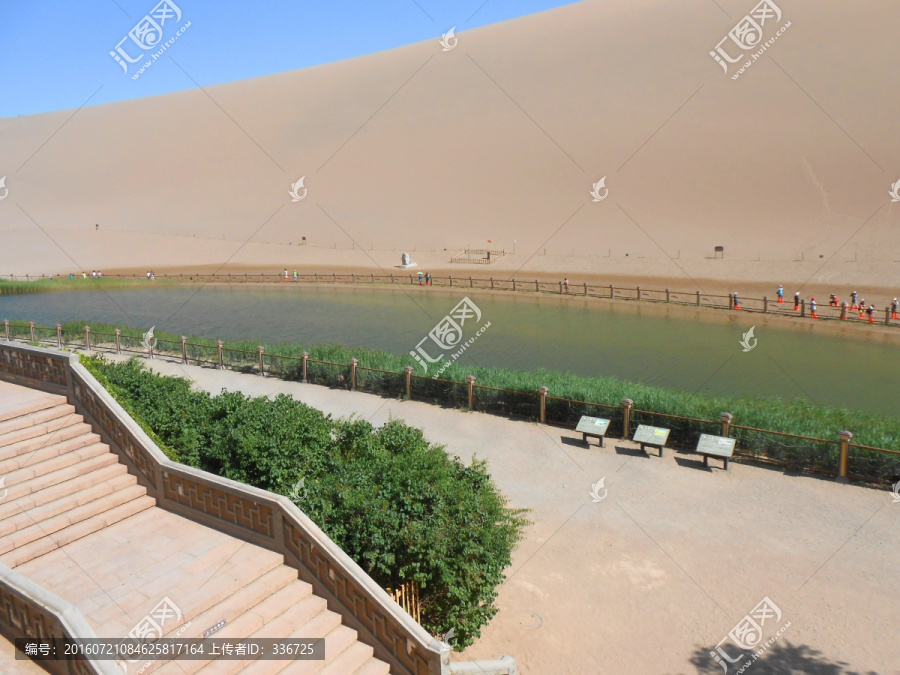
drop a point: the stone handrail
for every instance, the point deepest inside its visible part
(257, 516)
(29, 610)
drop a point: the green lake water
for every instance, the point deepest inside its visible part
(656, 345)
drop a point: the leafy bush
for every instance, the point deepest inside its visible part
(399, 506)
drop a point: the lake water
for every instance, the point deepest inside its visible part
(682, 348)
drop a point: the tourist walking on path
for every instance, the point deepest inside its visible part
(737, 301)
(295, 275)
(894, 307)
(812, 308)
(862, 307)
(797, 301)
(566, 284)
(871, 313)
(428, 278)
(833, 301)
(853, 298)
(780, 293)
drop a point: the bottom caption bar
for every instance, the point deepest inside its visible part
(133, 650)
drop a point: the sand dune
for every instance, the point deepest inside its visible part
(499, 139)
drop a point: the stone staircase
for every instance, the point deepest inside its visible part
(73, 520)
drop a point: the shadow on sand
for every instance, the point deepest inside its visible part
(782, 658)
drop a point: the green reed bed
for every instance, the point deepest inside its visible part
(797, 417)
(8, 287)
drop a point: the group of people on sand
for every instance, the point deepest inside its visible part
(95, 274)
(424, 279)
(856, 304)
(150, 275)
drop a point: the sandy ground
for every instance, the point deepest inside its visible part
(497, 144)
(653, 576)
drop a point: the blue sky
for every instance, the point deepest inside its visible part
(55, 53)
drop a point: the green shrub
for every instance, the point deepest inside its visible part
(399, 506)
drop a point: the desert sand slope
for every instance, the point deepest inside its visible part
(500, 138)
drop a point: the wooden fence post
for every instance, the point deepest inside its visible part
(87, 337)
(450, 276)
(59, 336)
(470, 380)
(730, 301)
(220, 346)
(261, 350)
(305, 358)
(184, 349)
(667, 295)
(354, 362)
(373, 277)
(726, 418)
(803, 307)
(408, 371)
(537, 286)
(844, 459)
(560, 288)
(887, 316)
(585, 288)
(118, 341)
(31, 329)
(471, 283)
(543, 392)
(626, 417)
(844, 309)
(514, 284)
(766, 304)
(698, 298)
(638, 292)
(492, 283)
(612, 291)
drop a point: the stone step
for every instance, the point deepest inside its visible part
(247, 598)
(270, 618)
(39, 430)
(74, 532)
(10, 453)
(85, 490)
(56, 484)
(40, 529)
(33, 469)
(349, 660)
(343, 654)
(45, 401)
(246, 564)
(32, 418)
(373, 667)
(306, 619)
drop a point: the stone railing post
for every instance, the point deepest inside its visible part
(411, 280)
(470, 380)
(118, 341)
(543, 391)
(373, 277)
(730, 301)
(183, 349)
(844, 309)
(31, 329)
(6, 328)
(220, 346)
(514, 285)
(698, 298)
(627, 403)
(668, 298)
(59, 336)
(766, 304)
(585, 288)
(638, 292)
(354, 363)
(305, 358)
(261, 350)
(612, 291)
(537, 286)
(450, 277)
(492, 283)
(87, 337)
(844, 459)
(408, 371)
(887, 316)
(471, 283)
(726, 418)
(560, 288)
(803, 307)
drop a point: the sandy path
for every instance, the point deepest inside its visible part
(660, 570)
